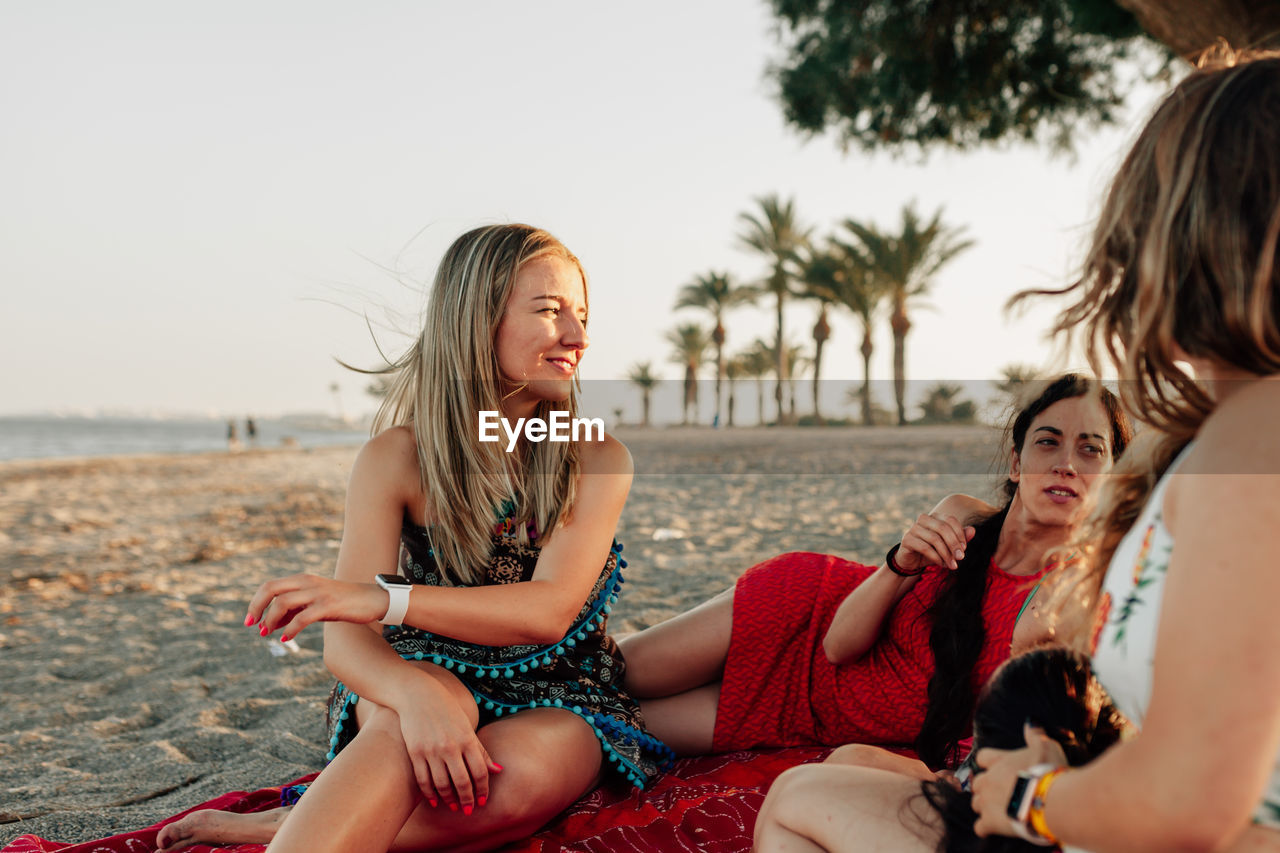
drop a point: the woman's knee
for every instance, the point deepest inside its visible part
(856, 755)
(547, 764)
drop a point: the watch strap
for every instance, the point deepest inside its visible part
(397, 605)
(1021, 802)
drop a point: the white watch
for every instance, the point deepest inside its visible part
(398, 588)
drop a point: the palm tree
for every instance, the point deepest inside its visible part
(860, 291)
(940, 402)
(733, 368)
(755, 362)
(641, 374)
(1014, 378)
(944, 404)
(776, 234)
(820, 279)
(689, 342)
(715, 292)
(794, 358)
(906, 263)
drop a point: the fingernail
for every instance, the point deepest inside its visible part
(453, 807)
(497, 765)
(433, 803)
(283, 638)
(263, 631)
(959, 554)
(466, 810)
(249, 620)
(483, 800)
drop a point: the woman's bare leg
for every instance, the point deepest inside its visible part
(832, 807)
(367, 799)
(210, 826)
(682, 653)
(685, 722)
(546, 755)
(550, 759)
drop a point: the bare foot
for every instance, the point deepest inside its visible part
(210, 826)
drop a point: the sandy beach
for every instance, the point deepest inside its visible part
(132, 690)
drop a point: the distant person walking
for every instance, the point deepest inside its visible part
(251, 431)
(233, 437)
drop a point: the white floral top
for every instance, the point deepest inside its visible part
(1131, 599)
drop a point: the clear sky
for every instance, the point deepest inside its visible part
(199, 201)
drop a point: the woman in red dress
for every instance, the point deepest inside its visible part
(811, 649)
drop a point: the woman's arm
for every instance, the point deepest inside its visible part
(541, 609)
(537, 611)
(437, 716)
(1192, 777)
(936, 539)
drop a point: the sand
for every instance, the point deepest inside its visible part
(132, 691)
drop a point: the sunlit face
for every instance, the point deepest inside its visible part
(1066, 448)
(543, 333)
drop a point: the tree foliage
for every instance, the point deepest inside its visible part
(902, 73)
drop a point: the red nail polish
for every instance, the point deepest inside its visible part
(249, 620)
(466, 810)
(283, 638)
(433, 803)
(483, 800)
(453, 807)
(497, 765)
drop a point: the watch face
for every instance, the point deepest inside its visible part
(393, 580)
(1014, 810)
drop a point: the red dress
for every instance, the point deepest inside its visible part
(779, 689)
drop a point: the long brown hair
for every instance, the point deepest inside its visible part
(1183, 259)
(958, 634)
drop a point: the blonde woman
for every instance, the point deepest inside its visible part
(1182, 274)
(483, 697)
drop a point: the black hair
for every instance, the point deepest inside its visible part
(958, 635)
(1052, 688)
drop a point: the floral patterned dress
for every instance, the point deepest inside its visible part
(1133, 591)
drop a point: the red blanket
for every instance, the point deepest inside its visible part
(703, 804)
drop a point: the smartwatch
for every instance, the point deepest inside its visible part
(398, 588)
(1019, 808)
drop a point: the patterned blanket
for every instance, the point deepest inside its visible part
(704, 805)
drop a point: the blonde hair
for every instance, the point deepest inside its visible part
(1183, 257)
(448, 376)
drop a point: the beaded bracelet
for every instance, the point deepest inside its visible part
(898, 570)
(1035, 815)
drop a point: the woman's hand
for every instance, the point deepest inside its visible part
(934, 540)
(449, 762)
(295, 602)
(993, 787)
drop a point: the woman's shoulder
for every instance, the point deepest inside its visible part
(393, 446)
(388, 462)
(1240, 436)
(1238, 439)
(607, 456)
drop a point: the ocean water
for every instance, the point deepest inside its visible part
(40, 437)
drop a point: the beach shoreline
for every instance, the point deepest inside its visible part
(136, 692)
